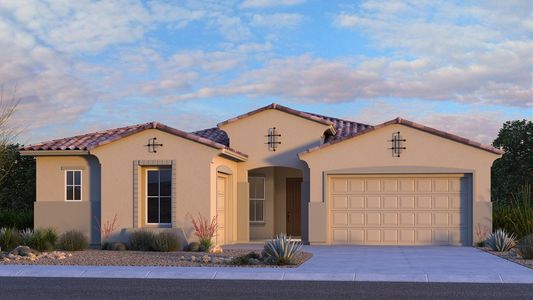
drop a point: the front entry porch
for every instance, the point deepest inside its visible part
(275, 195)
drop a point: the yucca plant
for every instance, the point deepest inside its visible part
(281, 250)
(525, 247)
(501, 241)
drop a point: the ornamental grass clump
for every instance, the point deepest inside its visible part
(9, 239)
(141, 240)
(281, 250)
(73, 240)
(41, 239)
(166, 242)
(501, 241)
(525, 247)
(205, 230)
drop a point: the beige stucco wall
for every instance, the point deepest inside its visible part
(51, 209)
(425, 153)
(195, 176)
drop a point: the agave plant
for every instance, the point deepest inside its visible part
(501, 241)
(281, 250)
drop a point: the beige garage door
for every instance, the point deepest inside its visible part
(398, 210)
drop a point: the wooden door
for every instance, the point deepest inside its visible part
(294, 212)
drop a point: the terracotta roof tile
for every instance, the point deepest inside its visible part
(95, 139)
(411, 124)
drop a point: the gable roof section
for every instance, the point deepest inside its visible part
(341, 128)
(282, 108)
(414, 125)
(95, 139)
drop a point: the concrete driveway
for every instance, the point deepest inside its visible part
(430, 263)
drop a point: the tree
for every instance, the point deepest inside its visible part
(17, 190)
(515, 168)
(7, 133)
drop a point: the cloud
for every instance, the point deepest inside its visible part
(478, 125)
(269, 3)
(277, 20)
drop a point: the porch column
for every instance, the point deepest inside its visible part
(305, 192)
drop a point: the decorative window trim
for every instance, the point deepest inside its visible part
(73, 185)
(254, 220)
(145, 198)
(137, 164)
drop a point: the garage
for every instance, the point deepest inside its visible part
(407, 209)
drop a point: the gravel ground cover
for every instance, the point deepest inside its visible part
(511, 256)
(140, 258)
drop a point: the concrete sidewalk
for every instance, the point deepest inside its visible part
(329, 263)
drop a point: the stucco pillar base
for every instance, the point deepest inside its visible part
(317, 222)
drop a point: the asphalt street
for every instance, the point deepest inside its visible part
(98, 288)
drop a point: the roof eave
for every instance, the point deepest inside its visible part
(53, 152)
(234, 155)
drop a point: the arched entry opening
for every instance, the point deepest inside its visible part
(275, 195)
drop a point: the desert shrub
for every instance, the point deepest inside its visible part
(244, 259)
(165, 242)
(118, 246)
(141, 240)
(281, 250)
(18, 219)
(106, 245)
(9, 239)
(73, 240)
(205, 230)
(525, 247)
(521, 217)
(501, 241)
(41, 239)
(193, 247)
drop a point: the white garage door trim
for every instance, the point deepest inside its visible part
(438, 209)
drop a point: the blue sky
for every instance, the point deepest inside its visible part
(80, 66)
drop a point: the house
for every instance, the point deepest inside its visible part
(275, 169)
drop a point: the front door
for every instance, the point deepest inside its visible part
(294, 194)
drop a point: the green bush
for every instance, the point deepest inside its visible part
(16, 219)
(106, 245)
(42, 239)
(166, 242)
(73, 240)
(9, 239)
(525, 247)
(281, 250)
(244, 259)
(141, 240)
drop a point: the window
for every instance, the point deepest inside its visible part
(158, 196)
(73, 185)
(257, 198)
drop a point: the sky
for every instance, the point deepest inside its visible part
(81, 66)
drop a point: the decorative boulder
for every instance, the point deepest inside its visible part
(24, 251)
(217, 250)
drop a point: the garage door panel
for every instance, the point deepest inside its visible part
(373, 202)
(393, 210)
(340, 202)
(357, 202)
(340, 219)
(390, 202)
